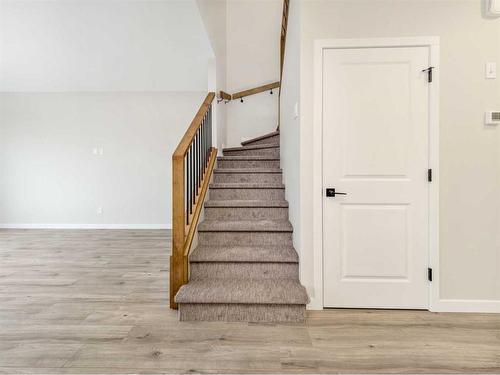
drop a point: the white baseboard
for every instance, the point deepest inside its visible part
(84, 226)
(447, 305)
(467, 305)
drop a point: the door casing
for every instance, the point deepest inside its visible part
(317, 197)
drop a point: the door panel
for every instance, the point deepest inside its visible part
(385, 236)
(375, 148)
(367, 152)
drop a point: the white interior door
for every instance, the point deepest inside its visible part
(376, 150)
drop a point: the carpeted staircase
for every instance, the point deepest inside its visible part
(245, 267)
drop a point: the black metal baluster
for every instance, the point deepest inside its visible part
(197, 162)
(210, 126)
(195, 174)
(199, 157)
(186, 198)
(205, 143)
(203, 160)
(192, 178)
(188, 185)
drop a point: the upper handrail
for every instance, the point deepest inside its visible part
(186, 140)
(256, 90)
(241, 94)
(284, 27)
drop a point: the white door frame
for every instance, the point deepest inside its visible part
(317, 199)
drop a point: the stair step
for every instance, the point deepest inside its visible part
(248, 175)
(248, 170)
(259, 254)
(244, 210)
(248, 158)
(258, 150)
(252, 161)
(246, 203)
(243, 270)
(243, 291)
(251, 147)
(245, 233)
(263, 138)
(245, 226)
(247, 191)
(246, 185)
(251, 239)
(241, 312)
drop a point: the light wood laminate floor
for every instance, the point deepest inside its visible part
(95, 301)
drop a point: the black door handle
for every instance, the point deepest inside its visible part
(330, 192)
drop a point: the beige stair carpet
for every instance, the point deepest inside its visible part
(245, 267)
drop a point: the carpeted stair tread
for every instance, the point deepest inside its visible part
(254, 147)
(243, 291)
(246, 185)
(269, 135)
(246, 226)
(248, 170)
(246, 203)
(247, 158)
(244, 254)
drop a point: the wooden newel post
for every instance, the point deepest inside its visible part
(178, 273)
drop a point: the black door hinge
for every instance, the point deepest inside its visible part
(429, 274)
(429, 175)
(429, 73)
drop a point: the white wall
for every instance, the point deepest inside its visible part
(214, 16)
(469, 151)
(127, 76)
(51, 177)
(253, 34)
(102, 45)
(290, 124)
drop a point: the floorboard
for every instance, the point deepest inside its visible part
(96, 302)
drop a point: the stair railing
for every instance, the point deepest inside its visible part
(284, 27)
(224, 96)
(192, 165)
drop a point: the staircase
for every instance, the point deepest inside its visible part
(245, 267)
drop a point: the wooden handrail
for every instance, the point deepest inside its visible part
(256, 90)
(241, 94)
(224, 95)
(192, 164)
(284, 27)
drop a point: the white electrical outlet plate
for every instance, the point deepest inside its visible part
(492, 118)
(491, 70)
